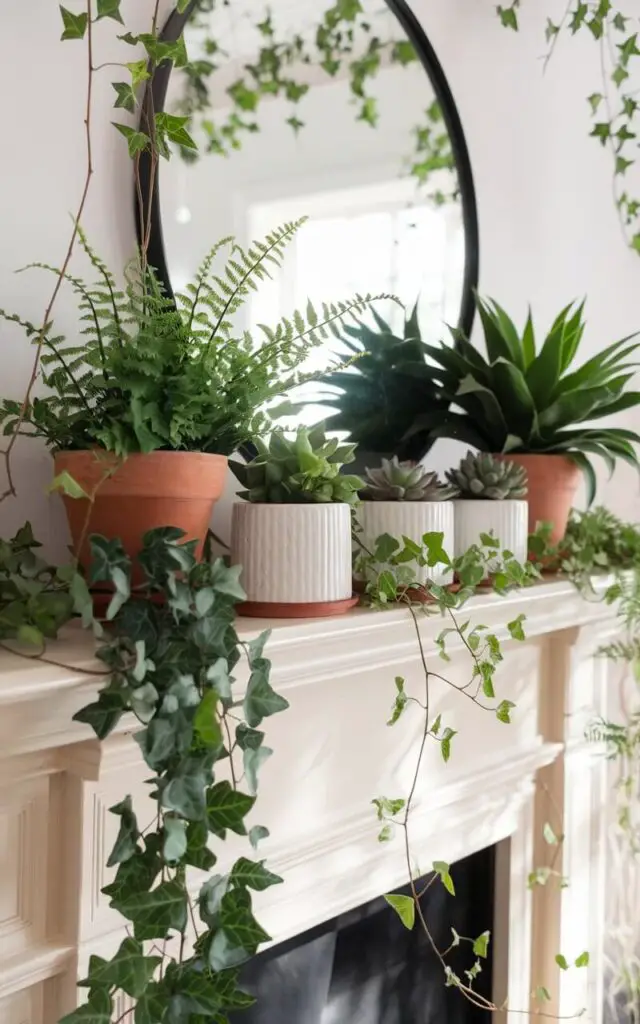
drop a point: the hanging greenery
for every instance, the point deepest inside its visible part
(614, 103)
(343, 43)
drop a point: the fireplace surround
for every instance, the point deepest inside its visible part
(333, 755)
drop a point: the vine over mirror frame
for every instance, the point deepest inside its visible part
(149, 195)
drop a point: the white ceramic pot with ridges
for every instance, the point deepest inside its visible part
(412, 519)
(506, 520)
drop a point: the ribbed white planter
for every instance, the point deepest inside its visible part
(506, 520)
(293, 555)
(411, 519)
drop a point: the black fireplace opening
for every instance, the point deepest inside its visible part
(365, 967)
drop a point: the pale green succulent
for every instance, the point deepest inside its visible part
(485, 477)
(306, 468)
(404, 481)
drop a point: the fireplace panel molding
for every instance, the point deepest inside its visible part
(333, 755)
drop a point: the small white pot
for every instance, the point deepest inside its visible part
(506, 520)
(293, 557)
(412, 519)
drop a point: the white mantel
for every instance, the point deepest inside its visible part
(333, 754)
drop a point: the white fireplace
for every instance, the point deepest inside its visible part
(334, 753)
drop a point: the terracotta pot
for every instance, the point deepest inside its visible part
(553, 482)
(141, 493)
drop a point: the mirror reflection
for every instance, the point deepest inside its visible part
(326, 112)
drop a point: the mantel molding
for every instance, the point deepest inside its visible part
(303, 652)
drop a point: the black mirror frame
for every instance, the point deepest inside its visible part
(149, 196)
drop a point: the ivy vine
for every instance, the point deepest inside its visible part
(614, 104)
(173, 666)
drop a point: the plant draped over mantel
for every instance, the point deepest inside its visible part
(614, 104)
(342, 42)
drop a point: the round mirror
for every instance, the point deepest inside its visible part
(341, 113)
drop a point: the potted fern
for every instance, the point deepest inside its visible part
(291, 533)
(143, 410)
(492, 501)
(407, 501)
(531, 404)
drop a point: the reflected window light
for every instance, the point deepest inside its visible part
(183, 215)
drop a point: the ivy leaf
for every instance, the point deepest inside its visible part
(261, 700)
(481, 944)
(198, 854)
(218, 676)
(75, 25)
(174, 129)
(185, 793)
(129, 970)
(595, 99)
(127, 841)
(542, 994)
(561, 962)
(227, 809)
(206, 725)
(582, 960)
(175, 839)
(97, 1010)
(445, 743)
(110, 9)
(516, 632)
(404, 907)
(107, 555)
(137, 142)
(125, 96)
(210, 897)
(151, 1005)
(549, 835)
(257, 834)
(400, 701)
(136, 874)
(155, 913)
(64, 483)
(441, 868)
(223, 955)
(207, 994)
(238, 922)
(253, 875)
(139, 72)
(503, 711)
(508, 17)
(104, 714)
(252, 763)
(157, 742)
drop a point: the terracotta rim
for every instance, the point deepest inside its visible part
(181, 476)
(282, 610)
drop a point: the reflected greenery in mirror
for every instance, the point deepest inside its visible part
(346, 40)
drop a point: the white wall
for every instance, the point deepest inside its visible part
(547, 224)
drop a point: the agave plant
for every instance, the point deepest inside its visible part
(382, 393)
(404, 481)
(306, 468)
(530, 398)
(484, 477)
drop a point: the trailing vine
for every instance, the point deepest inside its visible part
(614, 104)
(173, 666)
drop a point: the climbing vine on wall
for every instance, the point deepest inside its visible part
(614, 103)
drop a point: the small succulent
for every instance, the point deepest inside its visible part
(404, 481)
(304, 469)
(484, 476)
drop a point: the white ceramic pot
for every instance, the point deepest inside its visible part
(506, 520)
(412, 519)
(296, 559)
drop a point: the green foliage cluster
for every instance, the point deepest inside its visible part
(148, 374)
(344, 42)
(36, 599)
(379, 398)
(523, 397)
(306, 468)
(404, 481)
(173, 666)
(485, 477)
(614, 105)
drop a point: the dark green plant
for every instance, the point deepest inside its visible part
(306, 468)
(524, 397)
(36, 599)
(172, 665)
(404, 481)
(487, 478)
(145, 375)
(382, 394)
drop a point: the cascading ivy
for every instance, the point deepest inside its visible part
(171, 658)
(614, 105)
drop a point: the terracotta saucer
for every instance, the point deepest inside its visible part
(284, 610)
